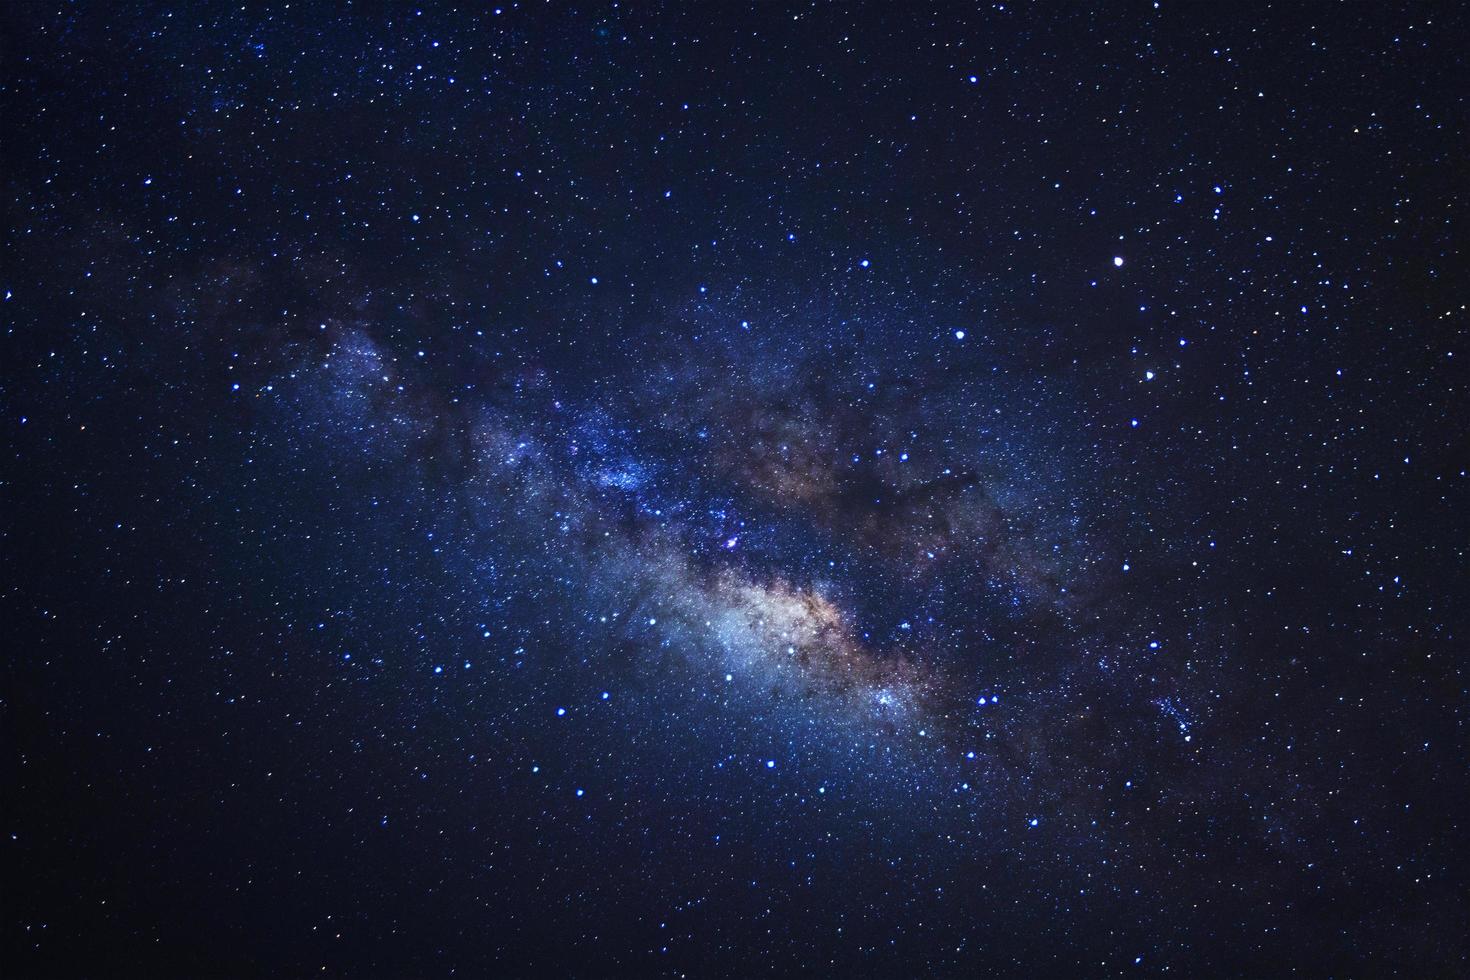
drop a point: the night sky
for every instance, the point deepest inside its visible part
(718, 490)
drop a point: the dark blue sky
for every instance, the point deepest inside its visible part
(711, 489)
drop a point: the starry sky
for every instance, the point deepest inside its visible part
(629, 489)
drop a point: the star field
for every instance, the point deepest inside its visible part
(723, 490)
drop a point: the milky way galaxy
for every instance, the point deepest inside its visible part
(720, 490)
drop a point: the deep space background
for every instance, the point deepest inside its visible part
(694, 490)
